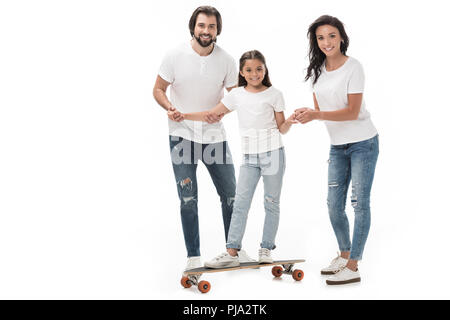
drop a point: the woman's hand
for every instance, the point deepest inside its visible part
(305, 115)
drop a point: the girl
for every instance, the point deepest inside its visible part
(338, 86)
(261, 120)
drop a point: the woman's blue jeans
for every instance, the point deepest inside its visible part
(355, 162)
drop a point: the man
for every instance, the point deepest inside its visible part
(198, 72)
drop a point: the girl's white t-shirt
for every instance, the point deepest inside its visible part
(257, 125)
(331, 90)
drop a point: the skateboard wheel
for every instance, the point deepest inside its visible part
(204, 286)
(185, 282)
(298, 275)
(277, 271)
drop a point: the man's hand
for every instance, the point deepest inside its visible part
(174, 114)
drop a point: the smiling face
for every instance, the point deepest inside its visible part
(329, 40)
(253, 71)
(205, 31)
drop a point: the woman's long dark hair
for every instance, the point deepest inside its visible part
(249, 55)
(316, 56)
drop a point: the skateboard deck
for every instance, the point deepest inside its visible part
(280, 267)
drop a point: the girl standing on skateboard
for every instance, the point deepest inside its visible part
(338, 86)
(261, 121)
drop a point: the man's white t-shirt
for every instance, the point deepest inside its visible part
(257, 124)
(197, 84)
(331, 91)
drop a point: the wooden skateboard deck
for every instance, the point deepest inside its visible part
(191, 277)
(245, 265)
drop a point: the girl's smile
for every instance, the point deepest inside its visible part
(254, 72)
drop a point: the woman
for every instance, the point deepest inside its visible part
(338, 86)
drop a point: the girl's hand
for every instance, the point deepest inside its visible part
(292, 119)
(175, 115)
(211, 117)
(305, 115)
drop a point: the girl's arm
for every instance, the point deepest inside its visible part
(282, 124)
(349, 113)
(210, 116)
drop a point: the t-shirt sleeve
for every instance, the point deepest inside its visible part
(229, 100)
(278, 103)
(356, 81)
(166, 70)
(231, 78)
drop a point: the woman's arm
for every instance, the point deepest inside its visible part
(282, 124)
(349, 113)
(210, 116)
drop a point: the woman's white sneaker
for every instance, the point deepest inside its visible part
(344, 276)
(264, 256)
(336, 265)
(224, 260)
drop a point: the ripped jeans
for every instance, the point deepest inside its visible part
(270, 165)
(217, 159)
(355, 162)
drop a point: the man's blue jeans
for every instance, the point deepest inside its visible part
(185, 155)
(355, 162)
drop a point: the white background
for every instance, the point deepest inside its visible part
(88, 201)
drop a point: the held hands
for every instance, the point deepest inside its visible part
(292, 119)
(212, 117)
(305, 115)
(174, 114)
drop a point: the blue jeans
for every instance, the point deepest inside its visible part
(270, 165)
(355, 162)
(217, 159)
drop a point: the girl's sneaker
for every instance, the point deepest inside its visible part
(344, 276)
(264, 256)
(336, 265)
(223, 260)
(244, 257)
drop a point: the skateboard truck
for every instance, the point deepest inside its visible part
(203, 286)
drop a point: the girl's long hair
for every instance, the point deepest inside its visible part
(249, 55)
(316, 56)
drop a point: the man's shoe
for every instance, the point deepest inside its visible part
(193, 263)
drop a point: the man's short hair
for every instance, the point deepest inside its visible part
(209, 11)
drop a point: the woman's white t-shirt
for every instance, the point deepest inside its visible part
(331, 90)
(257, 124)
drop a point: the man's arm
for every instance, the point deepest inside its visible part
(159, 93)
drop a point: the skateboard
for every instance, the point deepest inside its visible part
(191, 277)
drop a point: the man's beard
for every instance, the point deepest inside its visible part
(203, 43)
